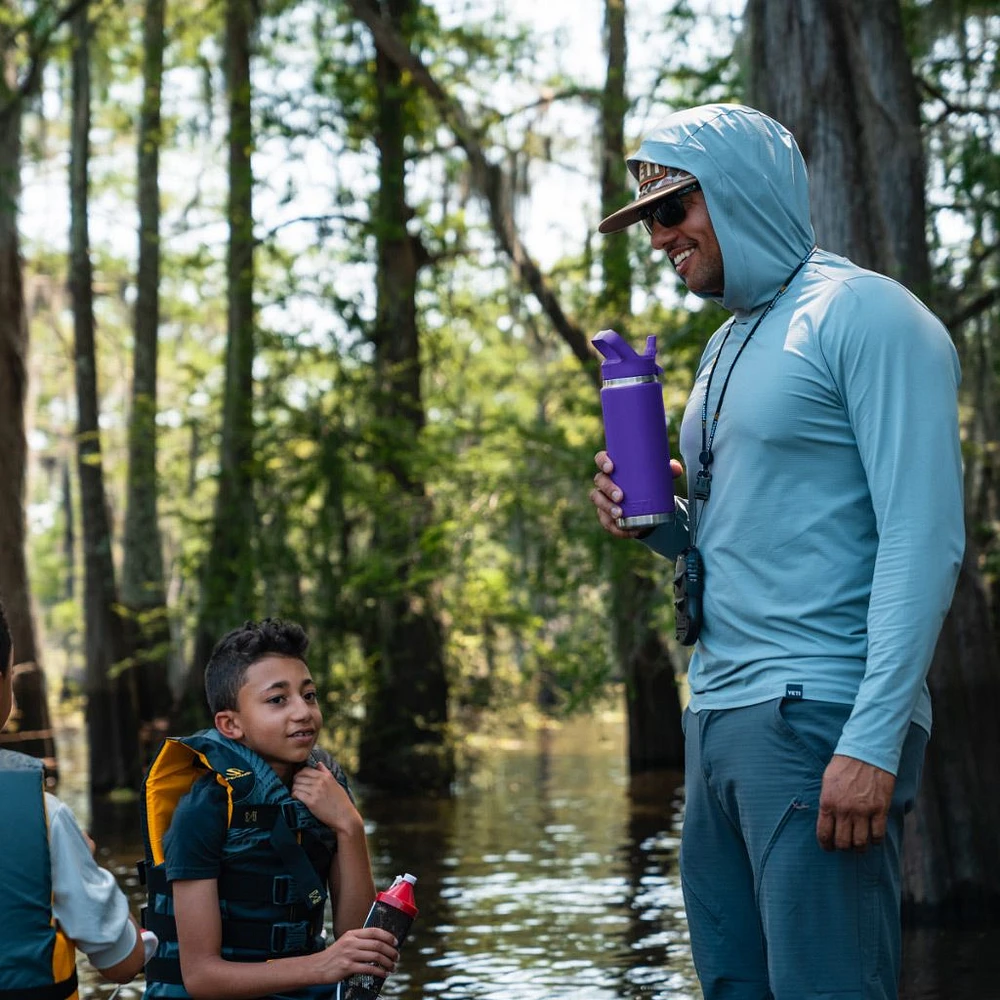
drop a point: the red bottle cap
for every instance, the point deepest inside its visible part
(400, 895)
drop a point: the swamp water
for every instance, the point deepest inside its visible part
(549, 874)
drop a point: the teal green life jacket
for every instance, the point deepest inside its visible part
(275, 859)
(37, 960)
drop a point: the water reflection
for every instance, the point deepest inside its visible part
(550, 874)
(547, 876)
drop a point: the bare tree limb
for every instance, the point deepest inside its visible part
(488, 179)
(972, 309)
(36, 52)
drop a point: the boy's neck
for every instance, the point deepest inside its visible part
(285, 774)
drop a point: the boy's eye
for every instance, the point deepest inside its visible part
(276, 700)
(310, 696)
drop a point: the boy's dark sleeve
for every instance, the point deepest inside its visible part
(193, 845)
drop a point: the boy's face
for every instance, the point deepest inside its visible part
(277, 713)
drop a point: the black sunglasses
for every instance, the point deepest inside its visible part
(670, 211)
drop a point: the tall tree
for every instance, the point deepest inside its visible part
(654, 716)
(404, 743)
(143, 591)
(839, 76)
(112, 725)
(654, 729)
(30, 688)
(228, 579)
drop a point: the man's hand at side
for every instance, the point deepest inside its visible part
(853, 804)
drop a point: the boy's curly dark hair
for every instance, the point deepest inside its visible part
(6, 642)
(239, 649)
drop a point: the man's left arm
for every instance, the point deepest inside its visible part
(899, 375)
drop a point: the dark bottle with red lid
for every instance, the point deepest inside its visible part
(394, 910)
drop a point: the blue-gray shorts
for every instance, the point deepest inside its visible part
(772, 915)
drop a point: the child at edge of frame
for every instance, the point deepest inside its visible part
(57, 900)
(248, 829)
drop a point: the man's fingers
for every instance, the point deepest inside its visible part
(879, 823)
(862, 834)
(849, 833)
(824, 830)
(843, 837)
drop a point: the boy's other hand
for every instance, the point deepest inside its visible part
(320, 792)
(366, 950)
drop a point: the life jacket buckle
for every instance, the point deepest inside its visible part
(288, 937)
(290, 815)
(282, 890)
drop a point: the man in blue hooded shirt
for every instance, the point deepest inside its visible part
(825, 530)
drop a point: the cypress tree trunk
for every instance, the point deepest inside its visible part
(112, 725)
(143, 591)
(404, 743)
(838, 75)
(227, 597)
(33, 733)
(655, 739)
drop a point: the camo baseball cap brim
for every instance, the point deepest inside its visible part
(655, 182)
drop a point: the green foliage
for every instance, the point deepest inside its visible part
(506, 540)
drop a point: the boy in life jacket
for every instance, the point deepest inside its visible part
(248, 828)
(55, 897)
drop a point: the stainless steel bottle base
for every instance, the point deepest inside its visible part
(645, 520)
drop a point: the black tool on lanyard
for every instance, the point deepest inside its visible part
(689, 570)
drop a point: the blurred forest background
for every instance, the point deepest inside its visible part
(295, 307)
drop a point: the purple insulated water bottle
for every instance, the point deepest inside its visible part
(635, 431)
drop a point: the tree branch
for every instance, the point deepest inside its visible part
(950, 106)
(972, 309)
(36, 50)
(487, 178)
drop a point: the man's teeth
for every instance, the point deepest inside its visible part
(681, 257)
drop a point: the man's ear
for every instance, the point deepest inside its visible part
(228, 723)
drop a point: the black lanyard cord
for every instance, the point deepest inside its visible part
(703, 480)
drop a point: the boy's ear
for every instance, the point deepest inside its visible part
(228, 723)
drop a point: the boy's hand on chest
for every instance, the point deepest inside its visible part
(320, 792)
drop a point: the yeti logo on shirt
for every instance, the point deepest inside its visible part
(793, 690)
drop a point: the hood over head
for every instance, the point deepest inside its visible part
(756, 188)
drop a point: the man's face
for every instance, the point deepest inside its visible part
(692, 247)
(277, 713)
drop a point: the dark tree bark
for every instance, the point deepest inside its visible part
(655, 739)
(30, 728)
(404, 743)
(842, 78)
(112, 725)
(838, 75)
(69, 530)
(227, 597)
(143, 590)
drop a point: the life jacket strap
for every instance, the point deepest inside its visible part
(52, 991)
(281, 890)
(297, 862)
(283, 938)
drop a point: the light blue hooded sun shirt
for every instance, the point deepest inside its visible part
(835, 528)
